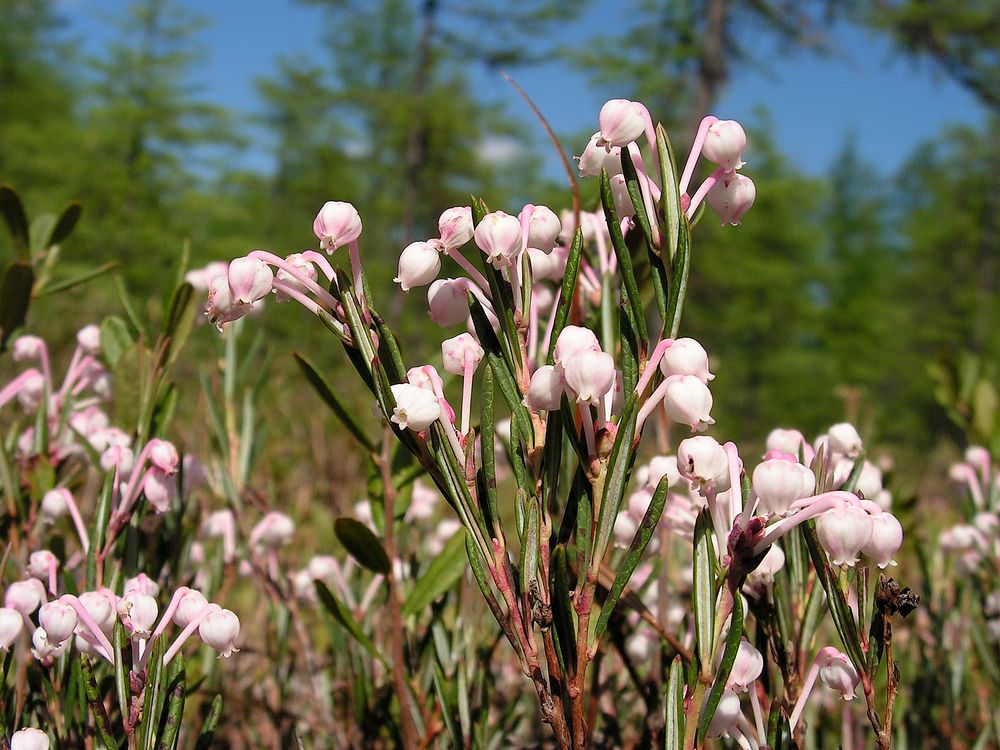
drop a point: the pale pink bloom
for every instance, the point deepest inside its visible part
(32, 389)
(779, 483)
(138, 613)
(543, 227)
(455, 350)
(687, 400)
(499, 237)
(163, 455)
(590, 375)
(747, 667)
(220, 307)
(272, 531)
(219, 630)
(704, 461)
(141, 584)
(250, 279)
(28, 348)
(24, 596)
(29, 739)
(88, 339)
(573, 340)
(190, 604)
(545, 389)
(10, 627)
(686, 356)
(455, 227)
(764, 573)
(40, 564)
(59, 621)
(201, 278)
(42, 648)
(727, 714)
(416, 408)
(885, 541)
(731, 196)
(101, 606)
(596, 157)
(448, 301)
(844, 440)
(622, 121)
(623, 201)
(160, 489)
(869, 480)
(642, 645)
(304, 267)
(443, 532)
(551, 266)
(419, 264)
(844, 532)
(838, 673)
(54, 504)
(336, 224)
(724, 144)
(660, 467)
(638, 502)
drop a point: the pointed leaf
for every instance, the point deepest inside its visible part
(703, 591)
(674, 699)
(343, 615)
(207, 733)
(16, 220)
(330, 398)
(567, 292)
(725, 667)
(65, 224)
(15, 296)
(362, 544)
(670, 191)
(629, 284)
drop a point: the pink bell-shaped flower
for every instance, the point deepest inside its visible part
(455, 227)
(336, 224)
(138, 613)
(304, 267)
(844, 532)
(687, 400)
(11, 622)
(589, 375)
(596, 156)
(499, 237)
(543, 227)
(622, 121)
(779, 483)
(724, 144)
(24, 596)
(686, 357)
(545, 389)
(838, 673)
(844, 440)
(703, 461)
(419, 265)
(29, 739)
(572, 340)
(219, 630)
(455, 350)
(727, 714)
(885, 541)
(732, 196)
(59, 621)
(747, 667)
(190, 604)
(448, 301)
(250, 279)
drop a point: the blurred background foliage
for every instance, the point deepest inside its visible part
(828, 303)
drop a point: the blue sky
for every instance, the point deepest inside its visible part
(886, 103)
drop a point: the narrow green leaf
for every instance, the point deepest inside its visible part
(562, 612)
(362, 544)
(120, 642)
(179, 320)
(725, 667)
(207, 733)
(326, 392)
(635, 195)
(152, 702)
(388, 350)
(619, 471)
(529, 545)
(447, 708)
(680, 271)
(176, 686)
(633, 555)
(703, 591)
(74, 281)
(670, 197)
(629, 284)
(444, 572)
(343, 615)
(95, 700)
(16, 220)
(487, 443)
(674, 699)
(99, 528)
(567, 291)
(65, 224)
(15, 296)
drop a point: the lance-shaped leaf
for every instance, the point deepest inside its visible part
(503, 619)
(120, 643)
(703, 591)
(16, 220)
(15, 296)
(343, 616)
(674, 709)
(178, 321)
(362, 544)
(70, 282)
(175, 680)
(679, 273)
(529, 545)
(65, 224)
(388, 350)
(670, 197)
(635, 195)
(207, 733)
(326, 392)
(725, 667)
(619, 471)
(448, 708)
(487, 443)
(444, 572)
(631, 287)
(633, 555)
(95, 700)
(562, 613)
(153, 698)
(567, 292)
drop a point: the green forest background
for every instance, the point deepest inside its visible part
(843, 296)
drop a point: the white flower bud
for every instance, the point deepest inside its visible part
(141, 584)
(219, 631)
(589, 375)
(687, 400)
(788, 441)
(416, 408)
(24, 596)
(885, 541)
(304, 267)
(88, 339)
(686, 357)
(29, 739)
(773, 561)
(419, 264)
(54, 504)
(724, 144)
(543, 228)
(191, 603)
(27, 348)
(101, 605)
(138, 613)
(40, 563)
(596, 157)
(455, 227)
(573, 340)
(160, 490)
(273, 530)
(250, 279)
(545, 390)
(844, 440)
(726, 714)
